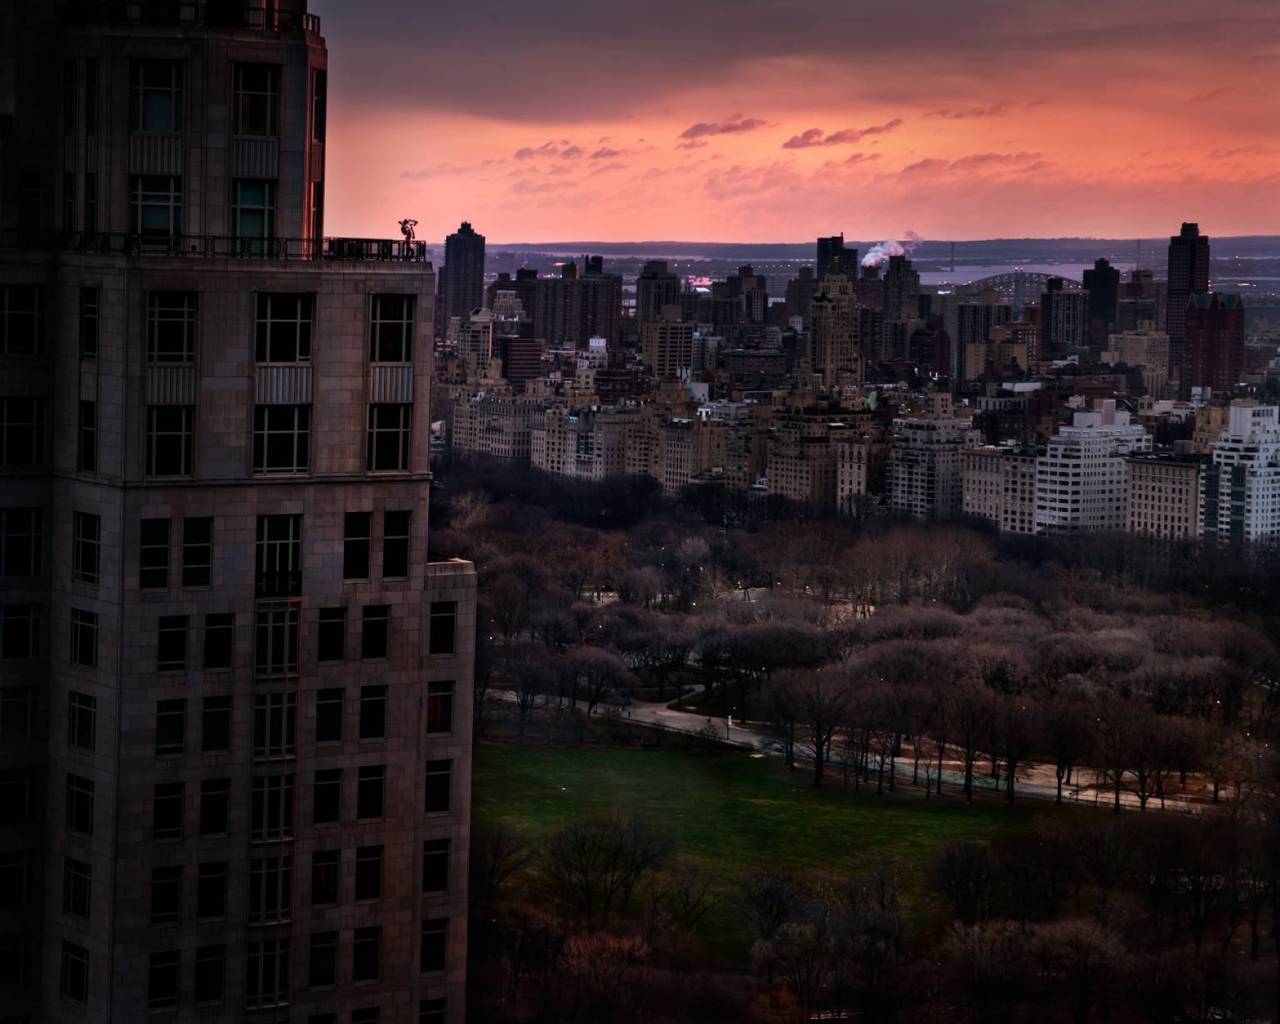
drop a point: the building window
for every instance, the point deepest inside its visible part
(281, 438)
(267, 983)
(444, 619)
(79, 805)
(322, 964)
(16, 796)
(256, 101)
(395, 544)
(439, 786)
(373, 712)
(86, 530)
(211, 891)
(215, 807)
(171, 726)
(366, 954)
(21, 541)
(276, 640)
(155, 96)
(90, 202)
(279, 556)
(375, 634)
(167, 806)
(153, 555)
(171, 328)
(371, 784)
(170, 440)
(68, 202)
(332, 638)
(284, 327)
(166, 894)
(270, 889)
(435, 865)
(253, 214)
(326, 803)
(219, 637)
(329, 716)
(74, 983)
(210, 961)
(87, 436)
(197, 551)
(77, 887)
(155, 206)
(368, 872)
(69, 69)
(21, 433)
(15, 880)
(435, 937)
(356, 543)
(84, 638)
(433, 1011)
(315, 216)
(162, 981)
(19, 631)
(366, 1015)
(319, 104)
(325, 866)
(21, 319)
(274, 722)
(82, 721)
(272, 809)
(171, 645)
(439, 706)
(391, 329)
(90, 95)
(215, 725)
(18, 713)
(389, 437)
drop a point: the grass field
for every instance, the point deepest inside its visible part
(734, 813)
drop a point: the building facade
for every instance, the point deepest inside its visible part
(1240, 488)
(1164, 496)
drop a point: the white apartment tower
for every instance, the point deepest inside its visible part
(1240, 488)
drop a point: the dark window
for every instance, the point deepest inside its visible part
(325, 866)
(210, 968)
(15, 880)
(21, 319)
(82, 721)
(284, 327)
(171, 328)
(326, 803)
(84, 638)
(19, 631)
(333, 634)
(88, 323)
(166, 894)
(69, 69)
(90, 202)
(276, 640)
(439, 706)
(167, 806)
(155, 96)
(439, 786)
(15, 963)
(356, 539)
(74, 981)
(219, 636)
(171, 647)
(270, 889)
(376, 629)
(215, 725)
(329, 716)
(162, 981)
(433, 1011)
(272, 808)
(274, 725)
(435, 938)
(319, 104)
(368, 872)
(278, 565)
(322, 1018)
(86, 436)
(68, 201)
(373, 712)
(19, 707)
(21, 432)
(77, 887)
(171, 726)
(153, 555)
(366, 954)
(215, 807)
(390, 437)
(267, 983)
(211, 891)
(281, 438)
(17, 796)
(91, 95)
(170, 440)
(391, 329)
(256, 99)
(253, 214)
(86, 540)
(155, 206)
(366, 1015)
(395, 544)
(444, 623)
(79, 805)
(322, 966)
(21, 541)
(435, 865)
(197, 551)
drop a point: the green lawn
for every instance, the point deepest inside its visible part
(734, 813)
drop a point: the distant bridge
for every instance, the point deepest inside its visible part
(1018, 287)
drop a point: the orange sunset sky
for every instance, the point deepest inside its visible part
(774, 120)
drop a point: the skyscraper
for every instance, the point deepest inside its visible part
(236, 698)
(1214, 345)
(656, 286)
(1062, 319)
(834, 318)
(1103, 285)
(834, 258)
(1188, 275)
(463, 276)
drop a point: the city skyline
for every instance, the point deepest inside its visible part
(748, 125)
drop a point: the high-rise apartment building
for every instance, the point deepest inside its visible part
(1063, 319)
(666, 344)
(1240, 488)
(1164, 495)
(1213, 345)
(901, 290)
(1188, 276)
(462, 277)
(656, 286)
(999, 485)
(235, 695)
(924, 477)
(833, 316)
(1102, 285)
(834, 258)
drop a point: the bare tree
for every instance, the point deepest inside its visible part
(497, 854)
(963, 874)
(820, 701)
(593, 867)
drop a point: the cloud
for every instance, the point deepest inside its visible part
(445, 169)
(816, 137)
(605, 154)
(862, 158)
(736, 124)
(1017, 163)
(995, 110)
(1209, 95)
(570, 153)
(692, 144)
(527, 187)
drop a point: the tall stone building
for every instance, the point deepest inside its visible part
(462, 278)
(1213, 347)
(234, 692)
(833, 315)
(1188, 276)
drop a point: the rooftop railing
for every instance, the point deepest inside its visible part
(206, 13)
(383, 250)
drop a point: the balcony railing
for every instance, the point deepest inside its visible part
(220, 246)
(206, 13)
